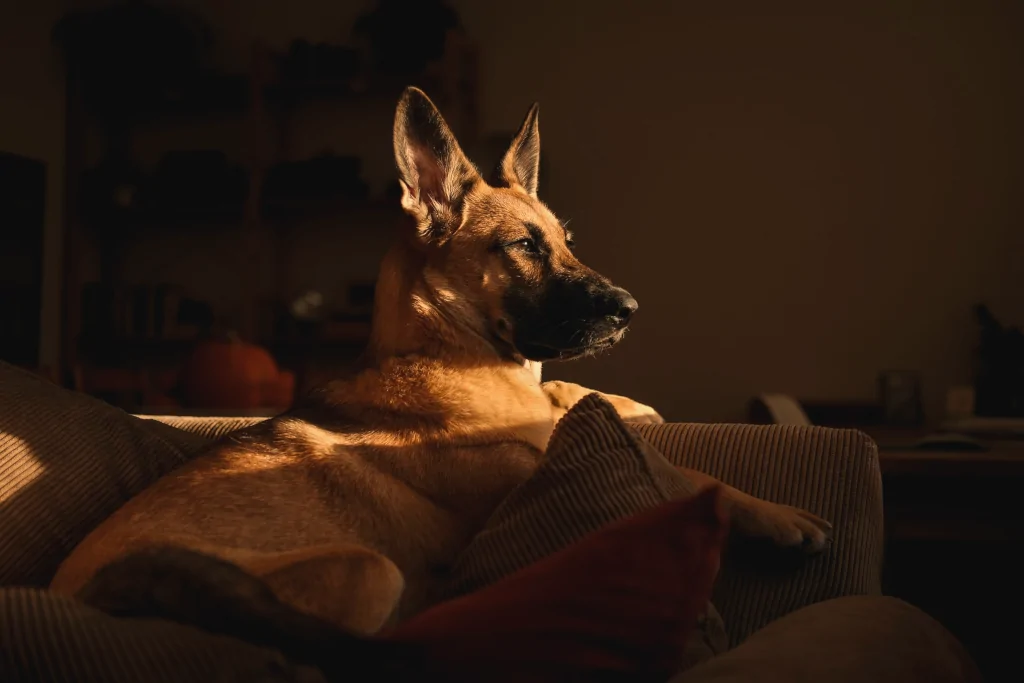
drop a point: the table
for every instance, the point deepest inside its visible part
(954, 531)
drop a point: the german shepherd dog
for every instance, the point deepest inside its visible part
(350, 506)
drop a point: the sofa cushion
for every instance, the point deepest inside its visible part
(616, 605)
(67, 462)
(597, 470)
(576, 615)
(45, 637)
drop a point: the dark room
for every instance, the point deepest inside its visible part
(320, 362)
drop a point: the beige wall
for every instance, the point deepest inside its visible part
(32, 125)
(798, 199)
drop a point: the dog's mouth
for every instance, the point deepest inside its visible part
(543, 352)
(566, 319)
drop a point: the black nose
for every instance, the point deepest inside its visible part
(619, 304)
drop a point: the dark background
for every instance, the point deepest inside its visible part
(800, 197)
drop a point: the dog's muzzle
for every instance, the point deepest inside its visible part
(573, 320)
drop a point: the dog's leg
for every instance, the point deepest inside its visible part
(564, 395)
(784, 525)
(350, 586)
(217, 596)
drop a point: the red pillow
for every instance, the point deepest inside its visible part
(617, 605)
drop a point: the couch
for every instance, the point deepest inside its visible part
(67, 462)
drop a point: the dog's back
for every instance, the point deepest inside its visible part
(343, 480)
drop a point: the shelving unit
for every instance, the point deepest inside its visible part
(264, 109)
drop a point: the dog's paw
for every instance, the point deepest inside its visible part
(564, 395)
(631, 411)
(650, 416)
(784, 525)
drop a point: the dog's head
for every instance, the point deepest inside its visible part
(496, 255)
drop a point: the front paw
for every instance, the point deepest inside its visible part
(648, 416)
(785, 525)
(564, 395)
(631, 411)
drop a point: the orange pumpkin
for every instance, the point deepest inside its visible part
(231, 373)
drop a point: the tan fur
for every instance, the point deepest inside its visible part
(352, 505)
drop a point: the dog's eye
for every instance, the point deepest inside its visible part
(570, 242)
(526, 243)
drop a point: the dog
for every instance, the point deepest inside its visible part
(351, 506)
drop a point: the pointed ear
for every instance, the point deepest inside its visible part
(434, 172)
(521, 163)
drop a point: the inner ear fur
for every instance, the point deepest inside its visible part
(434, 172)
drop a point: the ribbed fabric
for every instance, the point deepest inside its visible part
(46, 638)
(67, 462)
(596, 471)
(209, 427)
(831, 472)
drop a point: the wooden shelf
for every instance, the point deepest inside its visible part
(281, 209)
(133, 352)
(293, 93)
(1002, 459)
(233, 214)
(143, 218)
(208, 95)
(338, 336)
(264, 101)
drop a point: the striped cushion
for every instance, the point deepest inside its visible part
(209, 427)
(597, 470)
(67, 462)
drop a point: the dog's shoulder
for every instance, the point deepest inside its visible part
(433, 398)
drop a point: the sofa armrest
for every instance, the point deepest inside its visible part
(833, 473)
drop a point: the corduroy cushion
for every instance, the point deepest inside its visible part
(67, 462)
(45, 637)
(74, 440)
(615, 606)
(833, 473)
(48, 638)
(597, 470)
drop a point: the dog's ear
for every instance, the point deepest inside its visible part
(434, 172)
(521, 163)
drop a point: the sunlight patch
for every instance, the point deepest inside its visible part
(22, 470)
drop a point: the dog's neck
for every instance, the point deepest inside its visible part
(475, 392)
(417, 314)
